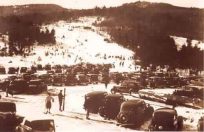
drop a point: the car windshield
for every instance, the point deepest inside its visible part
(7, 107)
(45, 125)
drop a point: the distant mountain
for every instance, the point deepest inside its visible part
(146, 28)
(143, 27)
(30, 9)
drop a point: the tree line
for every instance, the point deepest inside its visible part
(146, 29)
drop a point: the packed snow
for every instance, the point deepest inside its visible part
(180, 41)
(77, 42)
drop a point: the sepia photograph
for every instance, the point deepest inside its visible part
(101, 65)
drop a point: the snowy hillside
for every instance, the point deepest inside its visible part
(77, 42)
(180, 41)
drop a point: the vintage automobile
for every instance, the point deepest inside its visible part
(4, 84)
(82, 79)
(47, 67)
(166, 119)
(39, 67)
(127, 86)
(50, 72)
(94, 100)
(116, 77)
(8, 118)
(46, 78)
(58, 80)
(133, 113)
(23, 69)
(58, 71)
(2, 70)
(71, 80)
(111, 106)
(191, 91)
(198, 82)
(29, 76)
(201, 124)
(93, 78)
(36, 125)
(18, 86)
(36, 86)
(13, 70)
(33, 69)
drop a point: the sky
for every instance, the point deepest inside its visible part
(85, 4)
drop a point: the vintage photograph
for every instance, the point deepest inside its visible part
(101, 65)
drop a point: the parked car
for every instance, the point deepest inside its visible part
(198, 82)
(4, 84)
(82, 79)
(39, 67)
(36, 86)
(23, 69)
(18, 86)
(2, 70)
(47, 67)
(166, 119)
(46, 78)
(201, 124)
(134, 112)
(28, 76)
(58, 80)
(111, 106)
(38, 125)
(191, 91)
(71, 80)
(8, 118)
(58, 70)
(13, 70)
(33, 69)
(93, 78)
(94, 100)
(127, 86)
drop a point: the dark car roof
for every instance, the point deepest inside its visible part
(165, 110)
(95, 93)
(133, 102)
(7, 106)
(114, 96)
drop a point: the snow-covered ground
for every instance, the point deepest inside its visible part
(77, 42)
(74, 119)
(180, 41)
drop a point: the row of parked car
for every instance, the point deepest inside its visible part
(22, 86)
(132, 113)
(12, 122)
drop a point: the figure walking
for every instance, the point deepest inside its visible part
(60, 97)
(49, 99)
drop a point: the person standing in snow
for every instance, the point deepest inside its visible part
(48, 101)
(60, 97)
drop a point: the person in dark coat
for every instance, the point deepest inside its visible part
(60, 97)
